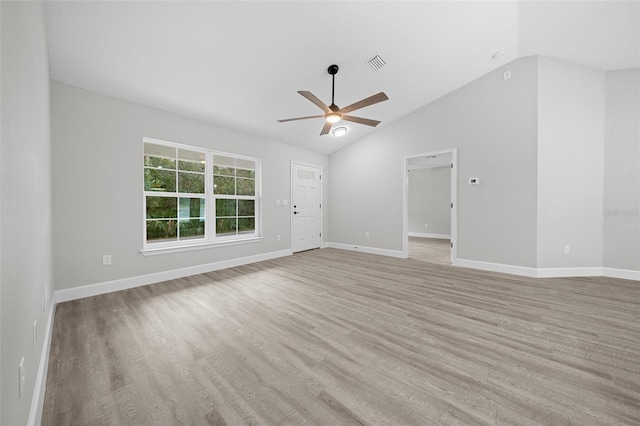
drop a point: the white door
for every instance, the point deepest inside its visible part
(306, 208)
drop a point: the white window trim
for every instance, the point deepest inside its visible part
(210, 240)
(176, 249)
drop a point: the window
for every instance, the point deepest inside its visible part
(194, 196)
(234, 189)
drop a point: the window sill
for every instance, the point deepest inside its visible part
(200, 246)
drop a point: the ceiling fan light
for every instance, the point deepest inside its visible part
(333, 117)
(339, 131)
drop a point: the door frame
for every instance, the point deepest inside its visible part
(300, 163)
(454, 201)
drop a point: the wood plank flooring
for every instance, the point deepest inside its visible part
(432, 250)
(330, 337)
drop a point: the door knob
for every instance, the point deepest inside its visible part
(295, 212)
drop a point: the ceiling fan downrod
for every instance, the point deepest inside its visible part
(333, 70)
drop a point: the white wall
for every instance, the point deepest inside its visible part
(570, 164)
(429, 198)
(25, 207)
(622, 171)
(97, 176)
(493, 123)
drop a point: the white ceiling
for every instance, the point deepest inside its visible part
(239, 64)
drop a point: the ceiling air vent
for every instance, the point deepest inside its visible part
(376, 63)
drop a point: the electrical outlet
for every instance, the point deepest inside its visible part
(278, 202)
(106, 260)
(35, 334)
(366, 234)
(507, 75)
(21, 378)
(278, 237)
(566, 249)
(285, 202)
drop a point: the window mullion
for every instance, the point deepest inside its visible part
(210, 203)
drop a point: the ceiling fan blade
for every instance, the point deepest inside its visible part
(378, 97)
(365, 121)
(300, 118)
(315, 100)
(326, 128)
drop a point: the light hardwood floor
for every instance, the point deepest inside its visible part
(331, 337)
(432, 250)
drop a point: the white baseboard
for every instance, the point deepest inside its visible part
(370, 250)
(626, 274)
(497, 267)
(494, 267)
(426, 235)
(37, 402)
(530, 272)
(595, 271)
(141, 280)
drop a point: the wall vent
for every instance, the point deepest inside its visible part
(376, 63)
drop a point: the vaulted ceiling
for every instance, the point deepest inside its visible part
(239, 64)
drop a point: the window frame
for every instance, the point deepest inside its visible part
(210, 238)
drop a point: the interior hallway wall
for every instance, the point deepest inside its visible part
(570, 164)
(622, 171)
(429, 198)
(25, 203)
(493, 123)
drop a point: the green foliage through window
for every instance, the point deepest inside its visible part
(192, 183)
(233, 177)
(162, 208)
(224, 185)
(177, 199)
(161, 230)
(159, 180)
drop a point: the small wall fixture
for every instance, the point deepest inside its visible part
(500, 53)
(339, 131)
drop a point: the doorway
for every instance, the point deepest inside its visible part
(306, 207)
(430, 207)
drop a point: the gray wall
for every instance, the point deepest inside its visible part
(622, 174)
(493, 123)
(97, 176)
(429, 198)
(555, 147)
(570, 164)
(25, 201)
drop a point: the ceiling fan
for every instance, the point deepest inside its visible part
(333, 114)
